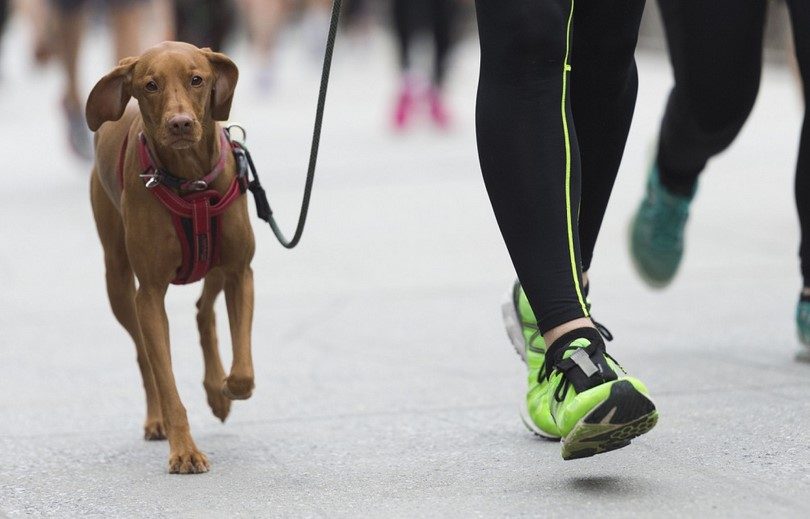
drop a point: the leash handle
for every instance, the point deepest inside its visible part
(257, 190)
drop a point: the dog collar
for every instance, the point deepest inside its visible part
(153, 175)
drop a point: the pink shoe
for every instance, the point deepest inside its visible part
(438, 111)
(405, 105)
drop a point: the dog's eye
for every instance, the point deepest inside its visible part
(151, 87)
(196, 81)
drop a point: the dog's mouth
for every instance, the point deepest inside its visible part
(181, 143)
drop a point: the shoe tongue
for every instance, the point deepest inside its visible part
(572, 342)
(575, 345)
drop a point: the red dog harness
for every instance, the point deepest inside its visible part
(196, 215)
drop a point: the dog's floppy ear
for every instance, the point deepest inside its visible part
(108, 99)
(225, 77)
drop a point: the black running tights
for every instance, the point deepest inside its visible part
(550, 142)
(439, 16)
(716, 52)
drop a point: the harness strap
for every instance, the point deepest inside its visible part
(196, 216)
(157, 175)
(121, 156)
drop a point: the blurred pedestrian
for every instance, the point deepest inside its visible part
(315, 26)
(264, 19)
(43, 22)
(125, 17)
(409, 17)
(3, 16)
(356, 13)
(204, 23)
(716, 53)
(556, 95)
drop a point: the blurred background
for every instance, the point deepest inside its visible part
(388, 312)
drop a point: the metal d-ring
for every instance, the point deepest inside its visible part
(230, 128)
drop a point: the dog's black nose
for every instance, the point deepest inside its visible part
(180, 124)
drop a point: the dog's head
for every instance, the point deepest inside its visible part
(180, 90)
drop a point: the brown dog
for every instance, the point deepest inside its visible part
(181, 92)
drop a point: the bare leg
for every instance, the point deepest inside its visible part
(69, 28)
(164, 11)
(127, 23)
(42, 21)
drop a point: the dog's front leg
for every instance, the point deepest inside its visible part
(239, 300)
(184, 457)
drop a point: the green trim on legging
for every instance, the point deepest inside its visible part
(568, 215)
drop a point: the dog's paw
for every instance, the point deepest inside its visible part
(153, 430)
(238, 387)
(219, 403)
(190, 461)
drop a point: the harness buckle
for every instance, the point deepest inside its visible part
(199, 185)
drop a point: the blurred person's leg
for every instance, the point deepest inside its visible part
(403, 20)
(316, 26)
(204, 23)
(356, 15)
(443, 15)
(3, 15)
(264, 19)
(800, 18)
(43, 21)
(70, 29)
(404, 14)
(530, 159)
(127, 26)
(716, 53)
(163, 10)
(69, 18)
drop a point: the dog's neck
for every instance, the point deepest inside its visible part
(193, 162)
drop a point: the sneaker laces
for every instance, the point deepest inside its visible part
(601, 328)
(561, 391)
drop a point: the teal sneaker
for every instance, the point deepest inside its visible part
(595, 405)
(521, 326)
(803, 320)
(657, 232)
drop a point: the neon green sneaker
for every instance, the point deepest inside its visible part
(595, 405)
(521, 326)
(657, 232)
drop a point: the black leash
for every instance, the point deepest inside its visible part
(262, 204)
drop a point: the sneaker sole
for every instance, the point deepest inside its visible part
(514, 330)
(529, 423)
(624, 415)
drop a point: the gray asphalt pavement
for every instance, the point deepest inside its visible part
(386, 385)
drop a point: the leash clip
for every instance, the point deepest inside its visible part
(153, 181)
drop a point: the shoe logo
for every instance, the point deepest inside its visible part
(584, 362)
